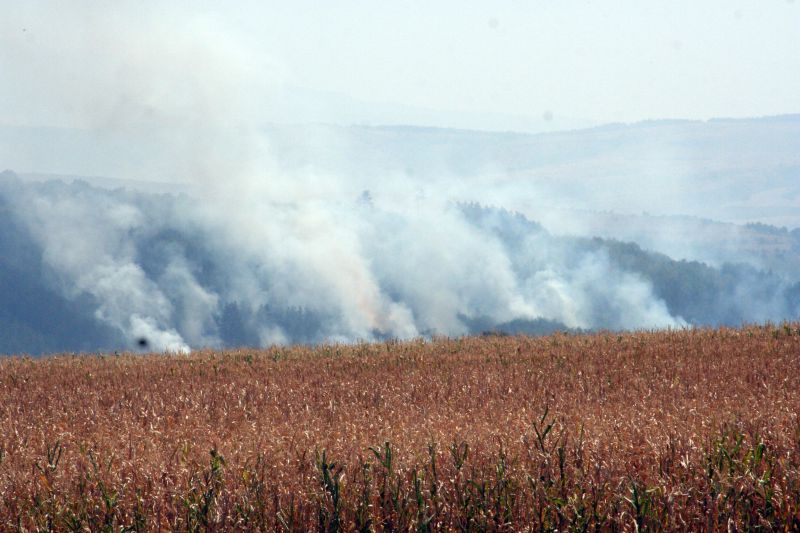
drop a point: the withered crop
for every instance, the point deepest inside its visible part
(673, 430)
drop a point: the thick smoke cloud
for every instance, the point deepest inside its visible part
(165, 268)
(181, 273)
(256, 252)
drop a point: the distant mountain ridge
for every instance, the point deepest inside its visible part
(750, 167)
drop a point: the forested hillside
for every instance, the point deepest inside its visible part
(191, 284)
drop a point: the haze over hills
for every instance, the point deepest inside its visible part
(684, 188)
(397, 231)
(749, 167)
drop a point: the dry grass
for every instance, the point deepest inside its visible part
(673, 430)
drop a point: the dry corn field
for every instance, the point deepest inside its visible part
(674, 430)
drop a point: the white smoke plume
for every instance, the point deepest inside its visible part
(400, 260)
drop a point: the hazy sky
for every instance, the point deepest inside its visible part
(622, 60)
